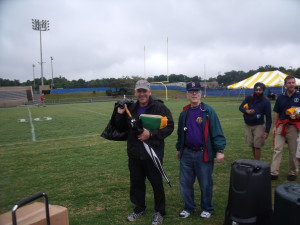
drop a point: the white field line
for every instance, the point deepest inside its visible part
(31, 124)
(83, 136)
(53, 139)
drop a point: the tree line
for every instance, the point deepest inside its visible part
(128, 82)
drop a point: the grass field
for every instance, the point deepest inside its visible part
(57, 150)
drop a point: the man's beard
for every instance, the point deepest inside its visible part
(259, 95)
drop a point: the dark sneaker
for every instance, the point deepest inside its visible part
(157, 218)
(133, 216)
(291, 177)
(205, 214)
(274, 177)
(184, 214)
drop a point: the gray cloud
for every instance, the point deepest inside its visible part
(92, 39)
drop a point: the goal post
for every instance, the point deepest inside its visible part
(163, 84)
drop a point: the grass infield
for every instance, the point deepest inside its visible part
(77, 169)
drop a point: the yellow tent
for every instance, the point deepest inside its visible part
(270, 79)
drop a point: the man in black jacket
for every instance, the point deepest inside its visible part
(139, 163)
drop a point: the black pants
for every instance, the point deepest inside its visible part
(139, 170)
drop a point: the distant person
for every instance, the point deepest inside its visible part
(286, 130)
(271, 95)
(140, 164)
(255, 108)
(42, 100)
(200, 141)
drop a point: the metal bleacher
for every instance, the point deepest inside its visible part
(13, 97)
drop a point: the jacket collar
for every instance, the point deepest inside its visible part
(202, 106)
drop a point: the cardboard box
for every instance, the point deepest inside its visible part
(34, 214)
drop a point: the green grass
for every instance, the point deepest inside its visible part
(89, 175)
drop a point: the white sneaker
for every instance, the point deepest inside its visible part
(157, 218)
(133, 216)
(184, 214)
(205, 214)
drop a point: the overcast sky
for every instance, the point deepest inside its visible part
(94, 39)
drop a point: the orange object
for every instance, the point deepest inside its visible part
(163, 122)
(293, 112)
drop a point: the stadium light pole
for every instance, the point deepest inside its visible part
(52, 82)
(167, 59)
(144, 61)
(33, 76)
(205, 86)
(41, 25)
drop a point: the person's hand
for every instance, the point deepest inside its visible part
(145, 135)
(178, 155)
(274, 130)
(250, 111)
(124, 102)
(266, 135)
(220, 157)
(121, 110)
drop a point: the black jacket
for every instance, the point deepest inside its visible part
(262, 109)
(135, 148)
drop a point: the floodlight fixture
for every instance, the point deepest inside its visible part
(41, 25)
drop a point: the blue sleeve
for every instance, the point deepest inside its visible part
(241, 108)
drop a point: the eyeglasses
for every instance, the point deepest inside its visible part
(141, 90)
(193, 92)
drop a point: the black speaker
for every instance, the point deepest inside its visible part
(287, 204)
(250, 195)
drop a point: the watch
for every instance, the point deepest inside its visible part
(221, 151)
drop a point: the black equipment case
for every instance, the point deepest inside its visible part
(287, 204)
(250, 195)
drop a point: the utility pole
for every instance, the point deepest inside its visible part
(33, 76)
(52, 82)
(167, 60)
(145, 61)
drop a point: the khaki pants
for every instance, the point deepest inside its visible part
(291, 139)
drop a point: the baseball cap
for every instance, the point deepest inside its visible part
(142, 84)
(195, 85)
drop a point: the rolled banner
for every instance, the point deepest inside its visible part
(151, 122)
